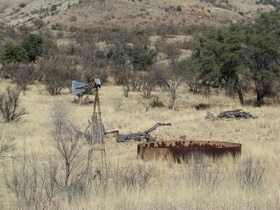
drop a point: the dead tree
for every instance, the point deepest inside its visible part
(141, 136)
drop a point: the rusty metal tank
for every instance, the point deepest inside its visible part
(185, 150)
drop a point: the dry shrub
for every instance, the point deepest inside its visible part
(21, 75)
(201, 174)
(9, 104)
(7, 144)
(129, 176)
(250, 173)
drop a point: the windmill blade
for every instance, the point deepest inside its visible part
(77, 87)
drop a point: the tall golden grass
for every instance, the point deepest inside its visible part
(209, 185)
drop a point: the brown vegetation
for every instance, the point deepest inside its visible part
(46, 165)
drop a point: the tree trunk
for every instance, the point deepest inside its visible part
(260, 99)
(172, 104)
(173, 96)
(238, 89)
(240, 95)
(126, 90)
(262, 89)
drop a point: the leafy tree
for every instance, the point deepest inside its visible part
(231, 56)
(141, 57)
(33, 46)
(269, 22)
(262, 55)
(217, 58)
(13, 53)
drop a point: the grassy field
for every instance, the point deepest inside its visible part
(251, 181)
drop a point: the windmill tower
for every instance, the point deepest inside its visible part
(97, 133)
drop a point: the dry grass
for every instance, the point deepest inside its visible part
(211, 185)
(224, 184)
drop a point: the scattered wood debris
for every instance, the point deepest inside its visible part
(141, 136)
(232, 114)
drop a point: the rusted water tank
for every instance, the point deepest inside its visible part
(184, 150)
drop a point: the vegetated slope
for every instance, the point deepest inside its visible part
(84, 13)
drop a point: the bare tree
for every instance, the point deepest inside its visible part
(36, 184)
(123, 74)
(148, 82)
(22, 75)
(24, 181)
(70, 176)
(9, 104)
(57, 73)
(93, 63)
(171, 76)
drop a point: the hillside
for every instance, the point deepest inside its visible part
(85, 13)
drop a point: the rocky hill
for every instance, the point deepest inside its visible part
(87, 13)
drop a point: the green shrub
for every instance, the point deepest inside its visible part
(115, 29)
(141, 57)
(53, 8)
(56, 26)
(21, 5)
(73, 18)
(13, 53)
(179, 8)
(32, 44)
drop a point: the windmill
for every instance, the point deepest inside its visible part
(96, 137)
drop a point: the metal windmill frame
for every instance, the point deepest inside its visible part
(96, 142)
